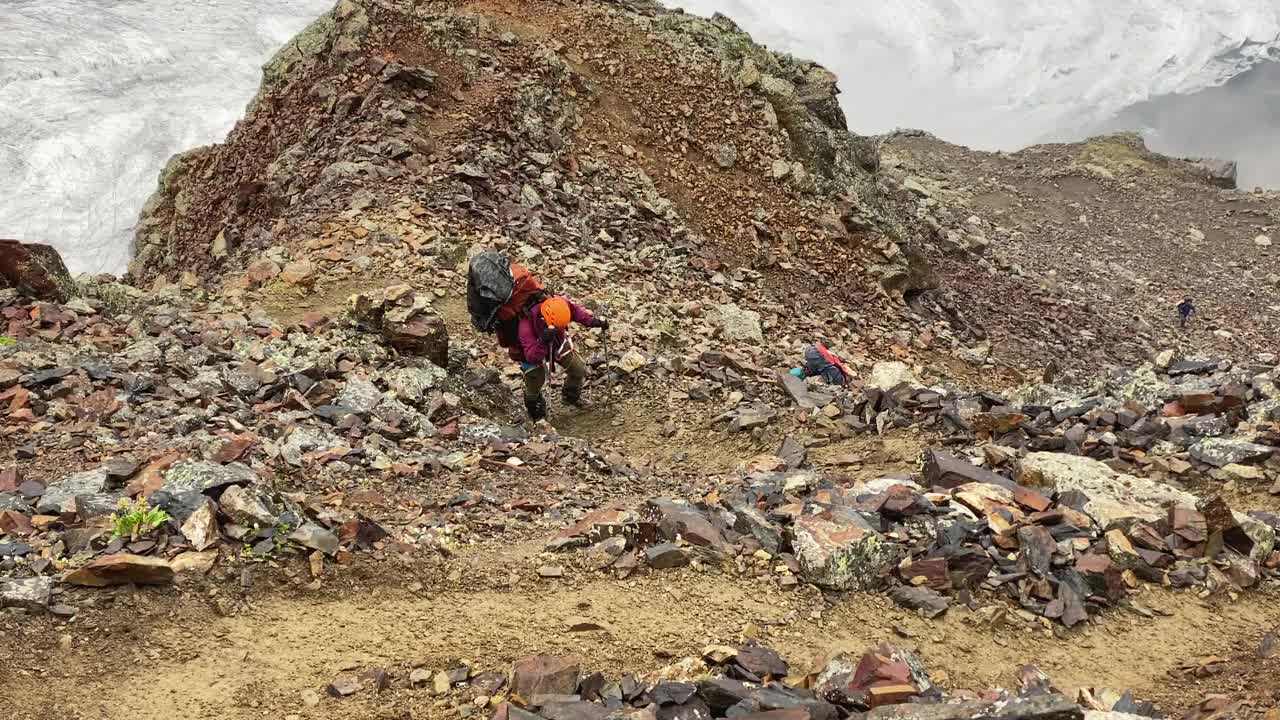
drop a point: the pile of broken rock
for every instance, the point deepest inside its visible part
(750, 682)
(1177, 418)
(1056, 520)
(222, 419)
(1075, 536)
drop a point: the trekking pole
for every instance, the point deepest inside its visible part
(608, 374)
(604, 336)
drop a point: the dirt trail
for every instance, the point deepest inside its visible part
(182, 660)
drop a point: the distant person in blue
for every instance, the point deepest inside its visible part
(1185, 310)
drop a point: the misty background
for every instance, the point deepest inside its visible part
(1198, 77)
(95, 95)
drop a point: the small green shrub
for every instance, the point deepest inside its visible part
(136, 520)
(6, 341)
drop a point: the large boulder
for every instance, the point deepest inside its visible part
(34, 270)
(838, 550)
(888, 376)
(122, 569)
(737, 324)
(1114, 499)
(406, 320)
(1217, 172)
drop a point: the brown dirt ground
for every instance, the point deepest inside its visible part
(156, 654)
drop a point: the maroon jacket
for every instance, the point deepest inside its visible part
(532, 325)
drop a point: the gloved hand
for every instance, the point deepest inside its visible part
(798, 372)
(602, 323)
(549, 336)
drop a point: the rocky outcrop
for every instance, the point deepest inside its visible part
(1219, 173)
(803, 96)
(406, 320)
(839, 550)
(33, 269)
(166, 216)
(343, 124)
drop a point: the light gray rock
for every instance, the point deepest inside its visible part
(1262, 535)
(14, 501)
(917, 187)
(1099, 715)
(188, 476)
(412, 384)
(1145, 387)
(888, 376)
(1220, 173)
(1220, 452)
(246, 507)
(201, 529)
(1041, 707)
(737, 324)
(1114, 499)
(360, 395)
(304, 440)
(30, 593)
(60, 497)
(726, 156)
(316, 537)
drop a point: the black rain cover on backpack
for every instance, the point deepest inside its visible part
(489, 286)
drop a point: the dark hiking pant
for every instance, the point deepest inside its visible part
(575, 375)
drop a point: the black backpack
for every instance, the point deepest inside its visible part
(490, 283)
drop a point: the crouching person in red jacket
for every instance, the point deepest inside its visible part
(546, 344)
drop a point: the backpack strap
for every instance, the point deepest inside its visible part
(834, 360)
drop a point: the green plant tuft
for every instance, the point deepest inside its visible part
(136, 520)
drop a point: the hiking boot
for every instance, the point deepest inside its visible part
(572, 396)
(537, 408)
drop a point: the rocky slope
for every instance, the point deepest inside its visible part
(1093, 245)
(293, 381)
(627, 131)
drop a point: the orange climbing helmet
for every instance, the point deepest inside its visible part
(555, 313)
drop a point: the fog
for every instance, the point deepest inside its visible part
(1239, 120)
(1004, 74)
(95, 96)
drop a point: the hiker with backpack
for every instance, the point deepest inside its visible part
(545, 344)
(821, 362)
(1186, 309)
(531, 324)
